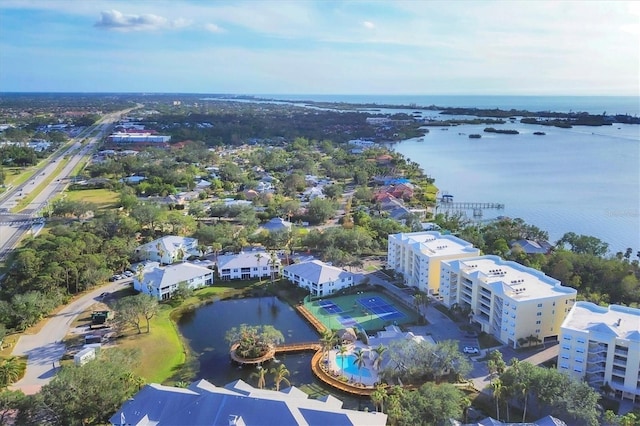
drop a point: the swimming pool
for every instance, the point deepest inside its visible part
(350, 366)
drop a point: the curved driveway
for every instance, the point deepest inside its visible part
(45, 349)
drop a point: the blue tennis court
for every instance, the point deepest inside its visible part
(329, 307)
(379, 306)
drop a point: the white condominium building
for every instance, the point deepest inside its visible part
(517, 305)
(417, 255)
(602, 345)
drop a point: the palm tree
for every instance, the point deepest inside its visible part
(259, 257)
(380, 350)
(9, 371)
(161, 252)
(524, 389)
(466, 404)
(261, 374)
(378, 396)
(342, 351)
(328, 340)
(497, 393)
(280, 375)
(359, 361)
(273, 264)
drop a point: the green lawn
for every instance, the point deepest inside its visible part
(164, 356)
(103, 198)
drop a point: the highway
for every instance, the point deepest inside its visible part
(13, 226)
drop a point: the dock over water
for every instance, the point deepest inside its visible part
(468, 205)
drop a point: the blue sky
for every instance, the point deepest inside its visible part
(321, 47)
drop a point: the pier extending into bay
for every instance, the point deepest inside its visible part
(467, 205)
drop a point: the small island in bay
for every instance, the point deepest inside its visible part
(501, 131)
(539, 133)
(475, 136)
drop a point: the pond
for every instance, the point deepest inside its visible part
(204, 330)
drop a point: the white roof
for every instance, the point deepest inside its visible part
(622, 321)
(169, 244)
(513, 279)
(317, 272)
(433, 244)
(172, 274)
(245, 260)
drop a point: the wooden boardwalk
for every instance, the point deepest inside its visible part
(298, 347)
(320, 327)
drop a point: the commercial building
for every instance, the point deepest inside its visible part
(417, 256)
(145, 138)
(318, 277)
(602, 346)
(518, 305)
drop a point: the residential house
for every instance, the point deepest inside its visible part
(490, 421)
(248, 265)
(162, 282)
(236, 404)
(313, 192)
(417, 256)
(321, 279)
(169, 249)
(601, 345)
(264, 186)
(516, 304)
(532, 247)
(277, 224)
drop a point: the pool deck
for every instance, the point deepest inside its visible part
(336, 367)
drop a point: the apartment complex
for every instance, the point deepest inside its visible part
(517, 305)
(319, 278)
(602, 346)
(417, 256)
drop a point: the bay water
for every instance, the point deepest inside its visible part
(584, 179)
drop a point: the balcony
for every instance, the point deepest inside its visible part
(485, 309)
(621, 372)
(622, 362)
(621, 352)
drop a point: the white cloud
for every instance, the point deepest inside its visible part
(115, 20)
(369, 25)
(213, 28)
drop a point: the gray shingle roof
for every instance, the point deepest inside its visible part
(205, 404)
(317, 272)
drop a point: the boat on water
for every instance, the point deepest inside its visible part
(475, 136)
(539, 133)
(420, 139)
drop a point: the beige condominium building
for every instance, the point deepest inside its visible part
(518, 305)
(602, 346)
(417, 256)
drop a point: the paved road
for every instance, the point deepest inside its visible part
(44, 350)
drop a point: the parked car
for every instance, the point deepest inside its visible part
(470, 350)
(128, 274)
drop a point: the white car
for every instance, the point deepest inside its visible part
(470, 350)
